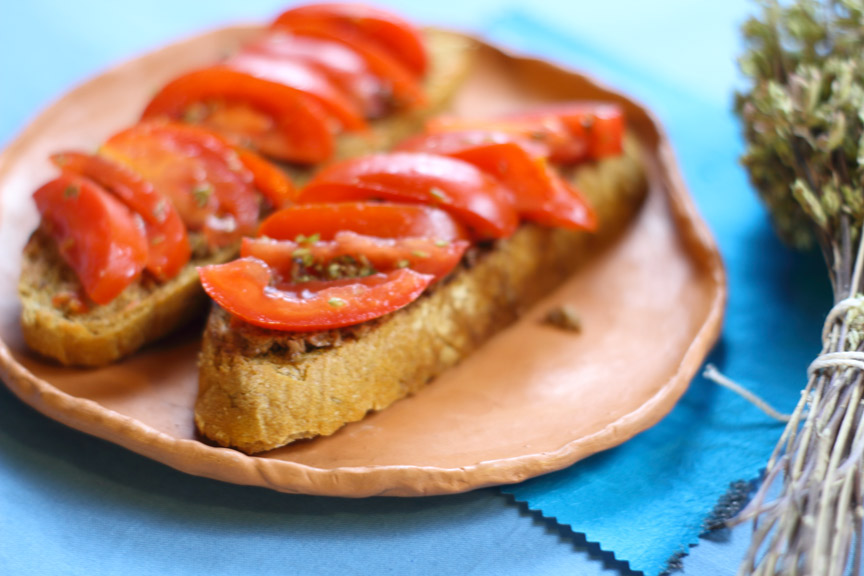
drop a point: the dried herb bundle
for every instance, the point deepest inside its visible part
(804, 123)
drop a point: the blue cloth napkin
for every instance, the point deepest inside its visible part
(648, 499)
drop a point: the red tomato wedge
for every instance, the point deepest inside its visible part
(404, 89)
(168, 245)
(519, 164)
(274, 119)
(305, 78)
(341, 64)
(392, 34)
(423, 255)
(269, 180)
(572, 131)
(468, 194)
(98, 236)
(380, 219)
(246, 289)
(201, 175)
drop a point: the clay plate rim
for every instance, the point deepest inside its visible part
(197, 458)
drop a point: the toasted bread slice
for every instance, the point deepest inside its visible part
(148, 310)
(260, 389)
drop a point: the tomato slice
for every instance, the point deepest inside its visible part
(341, 64)
(468, 194)
(304, 78)
(246, 289)
(274, 119)
(269, 180)
(599, 124)
(322, 258)
(381, 219)
(200, 173)
(387, 31)
(98, 236)
(520, 165)
(168, 245)
(403, 88)
(571, 131)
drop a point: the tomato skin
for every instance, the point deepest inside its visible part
(468, 194)
(572, 131)
(243, 288)
(294, 127)
(404, 89)
(304, 78)
(423, 255)
(340, 63)
(519, 164)
(393, 34)
(269, 180)
(98, 236)
(454, 142)
(380, 219)
(200, 173)
(599, 124)
(168, 244)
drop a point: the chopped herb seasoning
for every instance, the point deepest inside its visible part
(157, 240)
(71, 192)
(420, 254)
(301, 239)
(202, 194)
(438, 193)
(195, 113)
(403, 264)
(160, 211)
(336, 302)
(442, 243)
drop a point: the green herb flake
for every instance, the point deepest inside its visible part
(442, 243)
(303, 239)
(438, 194)
(202, 194)
(403, 263)
(336, 302)
(195, 113)
(156, 240)
(71, 191)
(420, 254)
(160, 211)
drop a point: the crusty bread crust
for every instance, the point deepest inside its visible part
(259, 389)
(142, 313)
(147, 311)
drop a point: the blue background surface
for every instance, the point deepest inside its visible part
(72, 504)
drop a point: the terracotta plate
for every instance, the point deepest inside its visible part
(533, 400)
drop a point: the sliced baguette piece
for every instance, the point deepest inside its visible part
(146, 310)
(260, 389)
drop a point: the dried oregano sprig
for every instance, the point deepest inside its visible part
(804, 123)
(803, 116)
